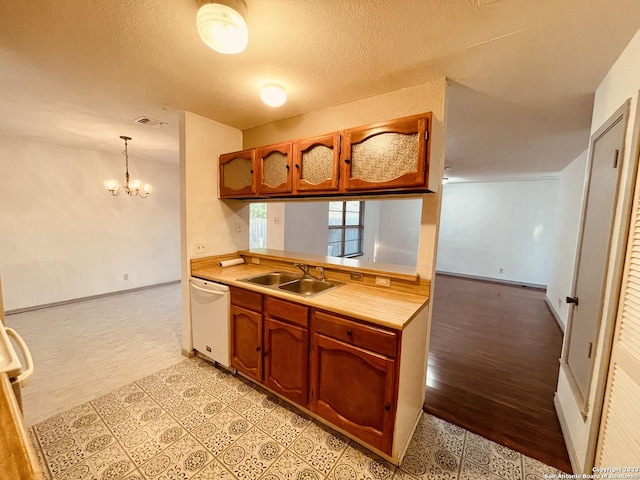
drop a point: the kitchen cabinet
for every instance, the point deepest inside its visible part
(275, 175)
(271, 344)
(316, 162)
(286, 349)
(353, 378)
(386, 155)
(237, 174)
(346, 372)
(246, 332)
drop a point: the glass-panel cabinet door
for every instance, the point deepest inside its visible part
(391, 155)
(275, 169)
(316, 163)
(237, 174)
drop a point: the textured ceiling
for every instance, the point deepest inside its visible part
(523, 73)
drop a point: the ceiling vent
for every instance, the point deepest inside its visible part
(149, 122)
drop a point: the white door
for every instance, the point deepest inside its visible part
(593, 254)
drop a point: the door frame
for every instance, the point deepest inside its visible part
(591, 407)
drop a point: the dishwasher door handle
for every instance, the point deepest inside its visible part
(214, 292)
(24, 376)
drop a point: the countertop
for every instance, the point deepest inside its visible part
(377, 305)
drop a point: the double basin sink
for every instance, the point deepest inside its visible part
(306, 286)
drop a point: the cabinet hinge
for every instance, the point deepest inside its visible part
(426, 134)
(615, 158)
(590, 350)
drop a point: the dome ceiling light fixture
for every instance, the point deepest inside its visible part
(273, 94)
(222, 25)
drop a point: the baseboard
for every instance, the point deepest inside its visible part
(554, 313)
(84, 299)
(493, 280)
(571, 449)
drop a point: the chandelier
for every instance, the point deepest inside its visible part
(132, 188)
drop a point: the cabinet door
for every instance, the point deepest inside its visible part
(275, 169)
(390, 155)
(316, 162)
(237, 174)
(286, 353)
(354, 389)
(246, 342)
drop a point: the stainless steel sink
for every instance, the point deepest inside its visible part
(306, 286)
(272, 278)
(309, 287)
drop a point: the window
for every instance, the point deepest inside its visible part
(346, 226)
(257, 225)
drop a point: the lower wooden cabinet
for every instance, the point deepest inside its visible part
(341, 369)
(246, 341)
(286, 359)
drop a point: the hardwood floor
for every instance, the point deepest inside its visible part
(493, 365)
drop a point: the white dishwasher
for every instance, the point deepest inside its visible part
(210, 305)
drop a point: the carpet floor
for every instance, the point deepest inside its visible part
(193, 420)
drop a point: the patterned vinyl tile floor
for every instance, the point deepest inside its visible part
(196, 421)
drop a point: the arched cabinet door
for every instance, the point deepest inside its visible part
(391, 155)
(237, 172)
(274, 166)
(353, 378)
(316, 162)
(246, 342)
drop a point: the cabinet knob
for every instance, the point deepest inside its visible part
(265, 354)
(346, 160)
(349, 332)
(387, 407)
(297, 166)
(251, 171)
(287, 167)
(257, 349)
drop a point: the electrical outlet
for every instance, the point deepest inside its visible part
(201, 247)
(125, 276)
(255, 260)
(502, 270)
(383, 281)
(356, 276)
(238, 227)
(276, 220)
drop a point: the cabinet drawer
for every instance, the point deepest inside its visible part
(366, 336)
(246, 298)
(290, 312)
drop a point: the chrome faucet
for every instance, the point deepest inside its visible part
(322, 276)
(303, 267)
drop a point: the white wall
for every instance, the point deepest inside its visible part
(569, 206)
(399, 231)
(621, 83)
(492, 226)
(204, 218)
(306, 227)
(63, 237)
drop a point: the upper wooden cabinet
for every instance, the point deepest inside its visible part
(388, 155)
(237, 174)
(316, 162)
(385, 157)
(275, 176)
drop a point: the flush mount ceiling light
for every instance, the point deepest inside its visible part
(273, 94)
(222, 25)
(132, 188)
